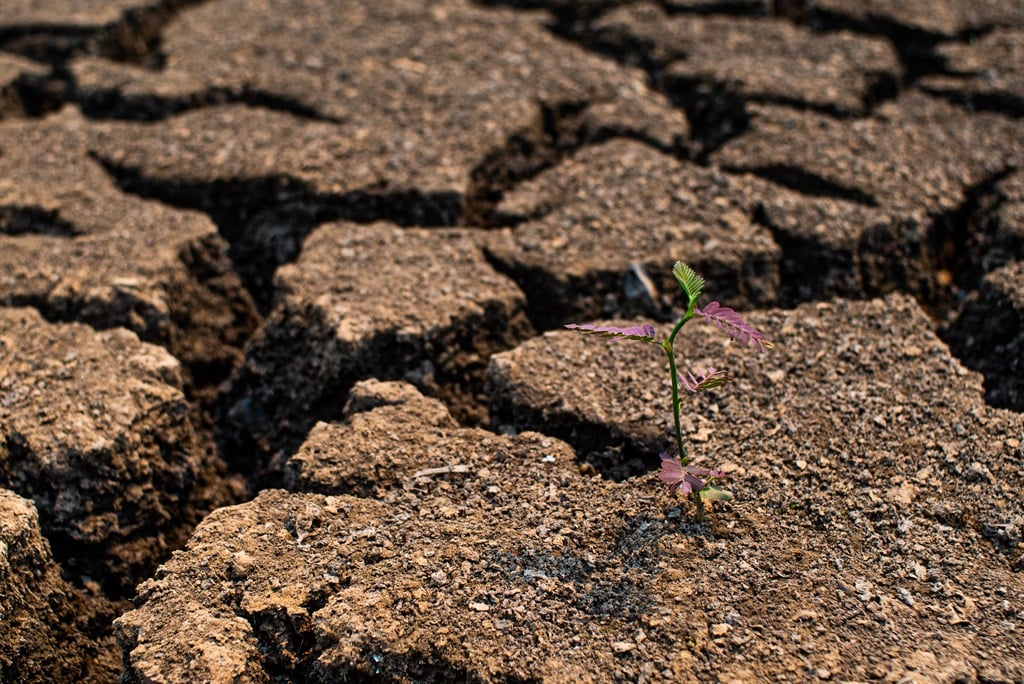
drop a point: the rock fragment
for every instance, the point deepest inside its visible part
(373, 449)
(421, 304)
(94, 428)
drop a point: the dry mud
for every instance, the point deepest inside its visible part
(285, 393)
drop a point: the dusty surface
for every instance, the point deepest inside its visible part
(312, 259)
(442, 552)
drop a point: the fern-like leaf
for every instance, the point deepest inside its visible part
(642, 333)
(689, 280)
(734, 325)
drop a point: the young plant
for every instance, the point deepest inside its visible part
(697, 482)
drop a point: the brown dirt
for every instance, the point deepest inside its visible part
(281, 295)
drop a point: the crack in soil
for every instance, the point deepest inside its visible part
(134, 37)
(22, 220)
(265, 220)
(952, 239)
(716, 110)
(559, 130)
(110, 104)
(808, 183)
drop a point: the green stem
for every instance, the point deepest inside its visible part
(670, 352)
(669, 346)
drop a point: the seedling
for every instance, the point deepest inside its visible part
(697, 482)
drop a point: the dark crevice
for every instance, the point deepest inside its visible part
(112, 105)
(603, 447)
(834, 272)
(551, 302)
(121, 312)
(84, 562)
(35, 95)
(426, 664)
(914, 46)
(1007, 104)
(524, 155)
(22, 220)
(938, 268)
(286, 640)
(265, 220)
(808, 183)
(882, 87)
(987, 335)
(50, 43)
(956, 246)
(716, 112)
(728, 8)
(263, 420)
(560, 130)
(134, 37)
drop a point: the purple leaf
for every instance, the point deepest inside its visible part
(643, 333)
(734, 325)
(705, 380)
(684, 478)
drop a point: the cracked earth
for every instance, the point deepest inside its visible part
(285, 394)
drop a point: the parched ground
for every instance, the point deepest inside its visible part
(285, 392)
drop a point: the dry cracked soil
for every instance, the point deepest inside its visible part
(285, 389)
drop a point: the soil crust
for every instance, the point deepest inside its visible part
(285, 389)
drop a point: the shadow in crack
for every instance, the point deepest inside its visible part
(26, 220)
(265, 220)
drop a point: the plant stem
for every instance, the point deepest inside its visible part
(669, 346)
(670, 352)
